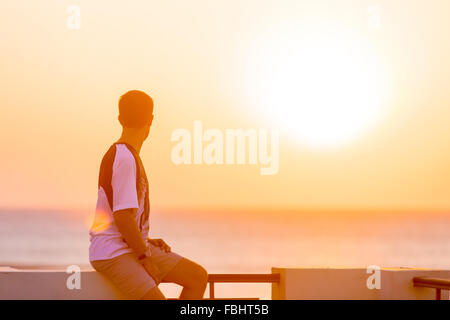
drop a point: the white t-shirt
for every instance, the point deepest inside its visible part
(106, 240)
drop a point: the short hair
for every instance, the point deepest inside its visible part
(135, 109)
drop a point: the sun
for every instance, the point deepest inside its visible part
(324, 89)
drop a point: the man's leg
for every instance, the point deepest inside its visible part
(192, 276)
(129, 276)
(154, 294)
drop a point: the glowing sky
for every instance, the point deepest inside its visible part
(204, 60)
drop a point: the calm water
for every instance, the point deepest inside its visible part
(244, 243)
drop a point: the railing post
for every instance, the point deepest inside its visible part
(211, 290)
(438, 294)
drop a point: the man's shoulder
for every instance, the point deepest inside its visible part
(123, 155)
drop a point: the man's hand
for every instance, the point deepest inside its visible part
(152, 269)
(159, 243)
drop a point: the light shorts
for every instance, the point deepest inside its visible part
(129, 275)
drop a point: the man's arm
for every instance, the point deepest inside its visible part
(126, 223)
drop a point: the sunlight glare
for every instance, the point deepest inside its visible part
(325, 90)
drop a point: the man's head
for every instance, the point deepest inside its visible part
(136, 112)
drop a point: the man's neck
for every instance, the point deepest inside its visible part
(133, 141)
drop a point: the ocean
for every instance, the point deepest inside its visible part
(242, 241)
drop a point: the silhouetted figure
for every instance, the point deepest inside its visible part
(120, 246)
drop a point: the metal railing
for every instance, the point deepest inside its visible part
(434, 283)
(241, 278)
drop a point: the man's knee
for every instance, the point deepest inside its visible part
(199, 277)
(202, 276)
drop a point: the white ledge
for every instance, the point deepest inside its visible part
(351, 284)
(302, 284)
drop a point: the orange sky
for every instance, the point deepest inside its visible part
(59, 91)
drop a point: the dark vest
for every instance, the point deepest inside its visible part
(105, 177)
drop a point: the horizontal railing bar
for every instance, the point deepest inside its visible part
(432, 283)
(245, 277)
(236, 277)
(231, 298)
(221, 299)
